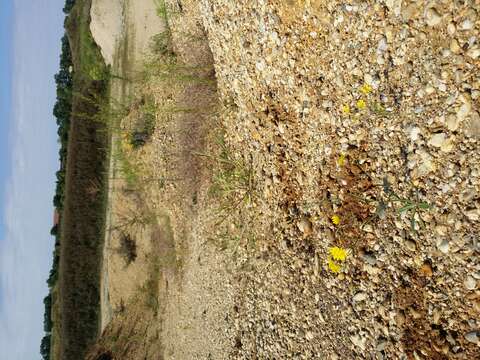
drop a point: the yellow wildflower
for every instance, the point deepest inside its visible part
(341, 160)
(338, 254)
(333, 266)
(346, 109)
(361, 104)
(335, 219)
(366, 89)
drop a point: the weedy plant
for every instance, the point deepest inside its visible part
(162, 11)
(233, 186)
(107, 111)
(233, 181)
(136, 219)
(408, 207)
(150, 288)
(143, 126)
(128, 248)
(171, 70)
(165, 12)
(161, 44)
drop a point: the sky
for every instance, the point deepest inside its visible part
(30, 33)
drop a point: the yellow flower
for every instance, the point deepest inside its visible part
(346, 109)
(341, 160)
(335, 219)
(333, 266)
(366, 89)
(361, 104)
(338, 254)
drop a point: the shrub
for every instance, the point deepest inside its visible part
(128, 248)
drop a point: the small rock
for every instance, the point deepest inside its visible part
(358, 341)
(368, 228)
(338, 20)
(436, 316)
(468, 195)
(451, 28)
(309, 335)
(409, 12)
(426, 270)
(411, 245)
(463, 111)
(474, 126)
(394, 6)
(413, 133)
(361, 296)
(427, 164)
(382, 45)
(452, 123)
(455, 47)
(432, 17)
(474, 53)
(260, 65)
(429, 89)
(400, 319)
(448, 145)
(370, 259)
(470, 283)
(472, 337)
(371, 270)
(466, 25)
(382, 344)
(305, 226)
(443, 246)
(441, 230)
(416, 356)
(438, 140)
(473, 214)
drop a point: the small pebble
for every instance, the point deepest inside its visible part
(443, 246)
(472, 337)
(470, 283)
(432, 17)
(411, 245)
(361, 296)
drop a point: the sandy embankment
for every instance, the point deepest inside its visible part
(123, 30)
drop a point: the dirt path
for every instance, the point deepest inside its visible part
(176, 291)
(123, 30)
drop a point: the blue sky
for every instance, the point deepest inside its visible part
(30, 32)
(5, 93)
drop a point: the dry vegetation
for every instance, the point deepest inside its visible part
(84, 205)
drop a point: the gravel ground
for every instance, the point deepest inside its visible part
(367, 112)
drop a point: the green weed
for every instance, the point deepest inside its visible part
(410, 207)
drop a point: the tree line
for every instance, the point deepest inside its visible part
(62, 112)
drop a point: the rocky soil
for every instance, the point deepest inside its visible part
(367, 110)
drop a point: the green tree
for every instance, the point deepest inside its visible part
(45, 347)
